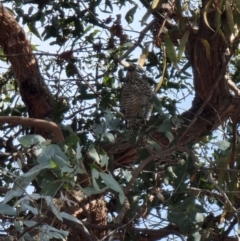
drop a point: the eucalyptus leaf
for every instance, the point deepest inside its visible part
(53, 208)
(78, 152)
(104, 159)
(95, 175)
(30, 140)
(130, 14)
(74, 220)
(5, 209)
(223, 145)
(93, 154)
(23, 181)
(111, 183)
(92, 191)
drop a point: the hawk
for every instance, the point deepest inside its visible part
(135, 97)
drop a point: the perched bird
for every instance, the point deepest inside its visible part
(135, 97)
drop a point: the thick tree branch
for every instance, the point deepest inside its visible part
(34, 91)
(30, 122)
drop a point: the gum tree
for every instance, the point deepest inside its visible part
(71, 169)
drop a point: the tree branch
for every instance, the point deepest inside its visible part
(31, 122)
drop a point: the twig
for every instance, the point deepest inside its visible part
(231, 226)
(155, 234)
(210, 178)
(142, 164)
(198, 191)
(222, 169)
(92, 89)
(121, 227)
(80, 228)
(28, 229)
(140, 38)
(135, 174)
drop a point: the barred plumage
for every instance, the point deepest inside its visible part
(135, 97)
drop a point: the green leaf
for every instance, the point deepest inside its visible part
(182, 44)
(108, 115)
(196, 236)
(78, 31)
(32, 173)
(104, 160)
(92, 191)
(74, 220)
(72, 140)
(169, 135)
(170, 170)
(53, 208)
(205, 12)
(113, 184)
(48, 232)
(30, 10)
(153, 145)
(88, 28)
(19, 225)
(130, 14)
(70, 70)
(198, 219)
(52, 155)
(108, 81)
(78, 152)
(67, 169)
(95, 175)
(59, 157)
(98, 129)
(93, 154)
(30, 140)
(29, 223)
(26, 207)
(34, 30)
(23, 181)
(108, 4)
(91, 36)
(44, 154)
(157, 104)
(127, 174)
(223, 145)
(5, 209)
(165, 126)
(108, 137)
(170, 49)
(49, 185)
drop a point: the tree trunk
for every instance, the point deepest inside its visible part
(34, 91)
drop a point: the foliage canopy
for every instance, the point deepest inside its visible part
(70, 167)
